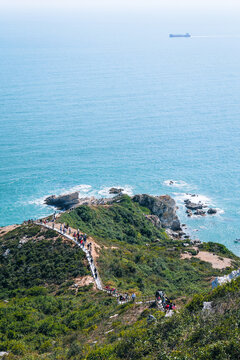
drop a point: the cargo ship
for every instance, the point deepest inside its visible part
(187, 35)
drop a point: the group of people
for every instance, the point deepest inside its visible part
(162, 299)
(81, 239)
(120, 297)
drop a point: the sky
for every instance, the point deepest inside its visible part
(26, 20)
(24, 5)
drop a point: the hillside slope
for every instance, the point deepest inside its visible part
(193, 333)
(43, 315)
(137, 256)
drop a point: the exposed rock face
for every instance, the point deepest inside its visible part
(63, 202)
(164, 207)
(115, 190)
(154, 220)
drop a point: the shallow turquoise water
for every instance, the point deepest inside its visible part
(105, 108)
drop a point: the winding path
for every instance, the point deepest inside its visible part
(91, 264)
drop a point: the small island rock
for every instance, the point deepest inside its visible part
(212, 211)
(114, 190)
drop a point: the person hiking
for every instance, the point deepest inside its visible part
(133, 297)
(69, 231)
(61, 227)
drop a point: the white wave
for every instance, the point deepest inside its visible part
(39, 201)
(220, 211)
(195, 198)
(127, 189)
(83, 190)
(176, 183)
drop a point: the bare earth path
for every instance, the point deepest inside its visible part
(216, 261)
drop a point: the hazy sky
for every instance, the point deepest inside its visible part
(116, 4)
(23, 19)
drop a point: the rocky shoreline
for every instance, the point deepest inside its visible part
(198, 208)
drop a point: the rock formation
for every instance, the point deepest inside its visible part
(164, 207)
(154, 220)
(212, 211)
(115, 190)
(63, 202)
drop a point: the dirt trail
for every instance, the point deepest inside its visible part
(84, 281)
(5, 229)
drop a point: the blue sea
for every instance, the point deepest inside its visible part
(92, 101)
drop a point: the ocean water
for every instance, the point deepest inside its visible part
(94, 104)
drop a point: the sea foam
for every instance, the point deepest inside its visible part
(177, 184)
(127, 189)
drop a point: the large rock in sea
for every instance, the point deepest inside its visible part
(63, 202)
(114, 190)
(164, 207)
(212, 211)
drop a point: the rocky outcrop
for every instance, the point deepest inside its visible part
(115, 190)
(164, 207)
(154, 220)
(63, 202)
(192, 206)
(200, 212)
(212, 211)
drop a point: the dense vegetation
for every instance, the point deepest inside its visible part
(38, 322)
(137, 256)
(32, 256)
(43, 316)
(123, 221)
(192, 334)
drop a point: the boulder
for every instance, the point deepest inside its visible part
(114, 190)
(189, 213)
(164, 207)
(192, 206)
(63, 202)
(211, 211)
(200, 212)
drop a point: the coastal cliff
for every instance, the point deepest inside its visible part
(164, 207)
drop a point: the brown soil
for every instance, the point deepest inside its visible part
(214, 260)
(84, 281)
(5, 229)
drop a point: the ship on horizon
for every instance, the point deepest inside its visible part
(187, 35)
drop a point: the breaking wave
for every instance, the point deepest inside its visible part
(176, 183)
(84, 191)
(127, 189)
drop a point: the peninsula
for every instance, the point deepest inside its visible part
(114, 278)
